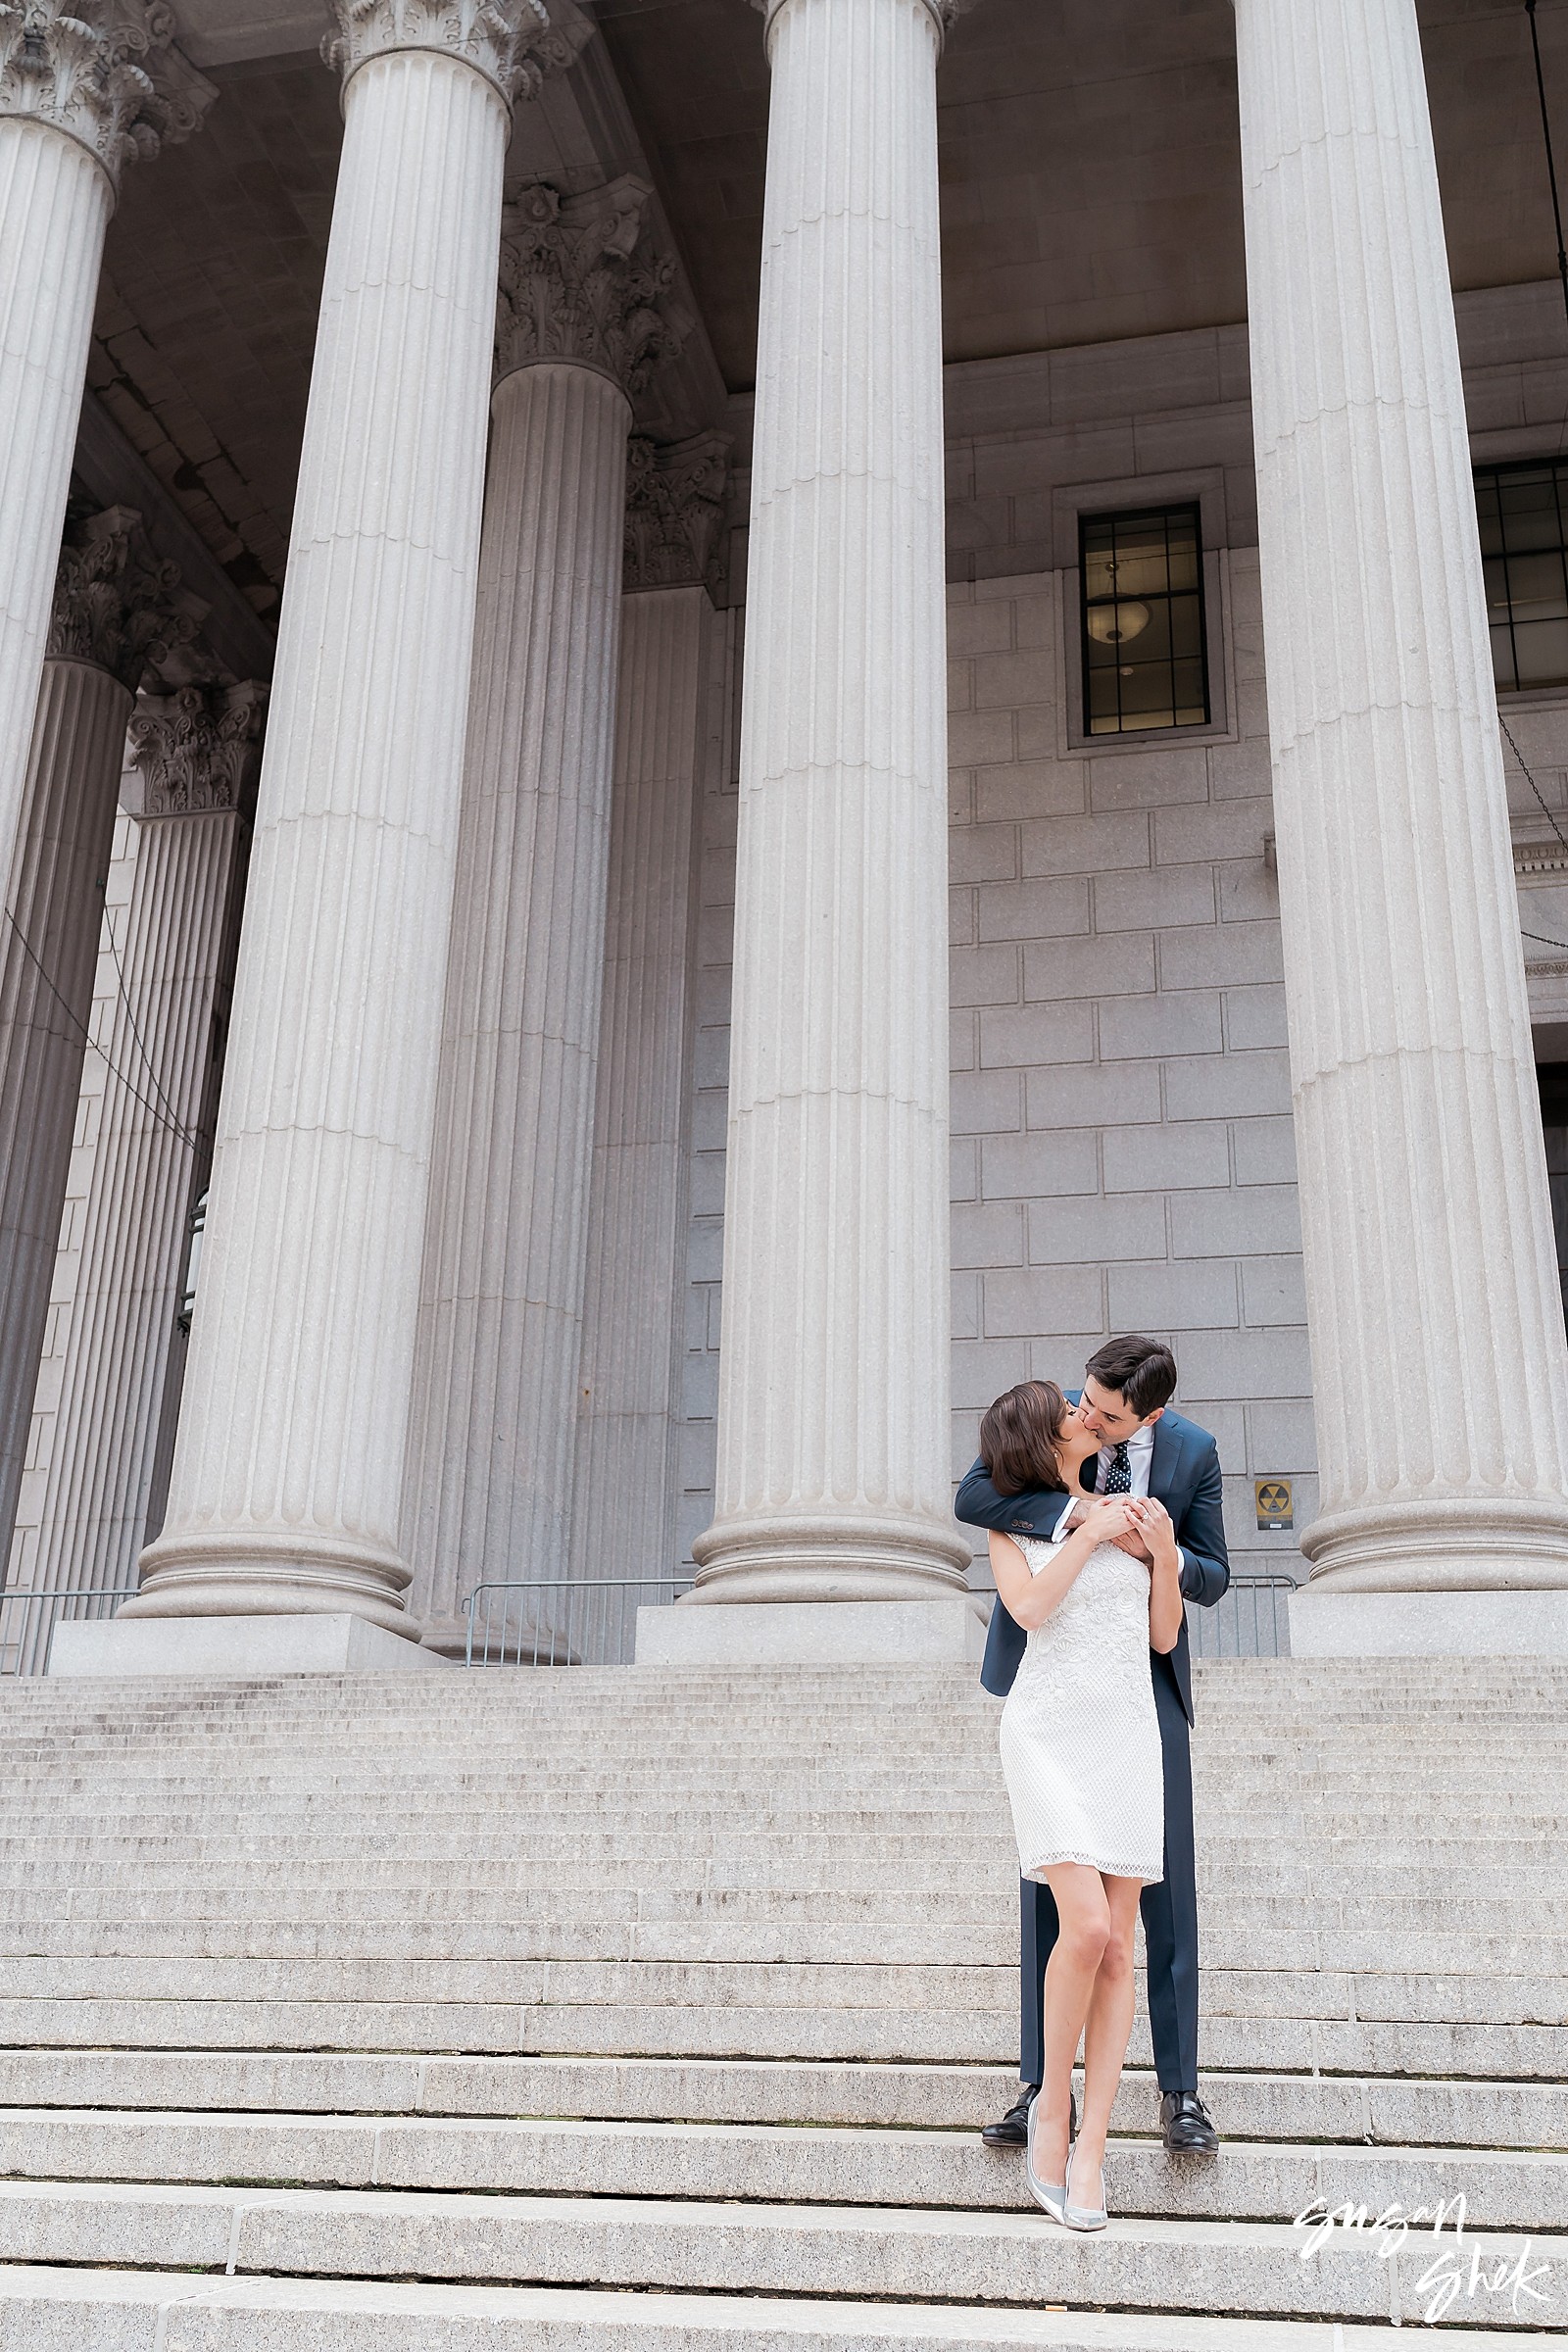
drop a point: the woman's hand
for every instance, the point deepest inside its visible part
(1108, 1517)
(1153, 1522)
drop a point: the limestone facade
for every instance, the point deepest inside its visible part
(606, 1155)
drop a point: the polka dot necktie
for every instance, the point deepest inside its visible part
(1119, 1476)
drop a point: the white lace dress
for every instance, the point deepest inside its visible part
(1080, 1738)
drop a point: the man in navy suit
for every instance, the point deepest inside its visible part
(1146, 1449)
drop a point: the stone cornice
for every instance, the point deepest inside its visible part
(510, 43)
(191, 748)
(116, 603)
(104, 72)
(578, 282)
(674, 507)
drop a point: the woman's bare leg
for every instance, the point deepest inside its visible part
(1108, 2029)
(1083, 1917)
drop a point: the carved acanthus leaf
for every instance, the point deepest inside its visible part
(191, 748)
(578, 282)
(105, 71)
(116, 603)
(943, 11)
(675, 507)
(509, 41)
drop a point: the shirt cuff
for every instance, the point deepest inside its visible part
(1058, 1536)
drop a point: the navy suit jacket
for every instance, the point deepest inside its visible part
(1184, 1475)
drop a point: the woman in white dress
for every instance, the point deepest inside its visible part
(1081, 1756)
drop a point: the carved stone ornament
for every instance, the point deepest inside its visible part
(946, 12)
(116, 603)
(577, 282)
(104, 71)
(675, 507)
(510, 43)
(191, 748)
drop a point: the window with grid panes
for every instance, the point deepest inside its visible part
(1145, 652)
(1524, 554)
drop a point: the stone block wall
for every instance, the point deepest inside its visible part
(1121, 1127)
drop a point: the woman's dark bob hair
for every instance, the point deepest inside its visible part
(1019, 1436)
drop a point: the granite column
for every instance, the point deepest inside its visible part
(288, 1468)
(1440, 1371)
(579, 325)
(833, 1438)
(116, 608)
(85, 86)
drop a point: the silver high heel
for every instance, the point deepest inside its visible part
(1050, 2196)
(1082, 2217)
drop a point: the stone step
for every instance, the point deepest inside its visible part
(220, 1826)
(1475, 1993)
(1233, 1930)
(1247, 2106)
(793, 2165)
(589, 1860)
(1262, 2043)
(899, 2254)
(44, 2310)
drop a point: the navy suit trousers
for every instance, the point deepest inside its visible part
(1170, 1927)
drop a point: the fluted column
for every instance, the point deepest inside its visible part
(832, 1480)
(85, 86)
(494, 1395)
(288, 1468)
(625, 1487)
(1440, 1373)
(115, 607)
(190, 751)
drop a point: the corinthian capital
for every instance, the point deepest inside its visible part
(104, 71)
(509, 41)
(577, 282)
(191, 749)
(674, 506)
(116, 603)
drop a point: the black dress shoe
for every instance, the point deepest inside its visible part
(1184, 2122)
(1013, 2130)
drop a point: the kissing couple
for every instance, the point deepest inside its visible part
(1104, 1515)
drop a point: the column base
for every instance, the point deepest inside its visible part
(232, 1646)
(942, 1630)
(1444, 1543)
(1427, 1624)
(797, 1560)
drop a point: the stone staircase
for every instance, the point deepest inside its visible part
(619, 2010)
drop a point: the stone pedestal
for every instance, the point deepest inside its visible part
(495, 1393)
(288, 1469)
(1326, 1623)
(233, 1647)
(833, 1435)
(115, 609)
(190, 751)
(948, 1630)
(1440, 1370)
(83, 88)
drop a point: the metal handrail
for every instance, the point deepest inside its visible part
(28, 1652)
(1206, 1627)
(584, 1618)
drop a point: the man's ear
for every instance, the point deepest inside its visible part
(1150, 1418)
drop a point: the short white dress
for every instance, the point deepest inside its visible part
(1080, 1738)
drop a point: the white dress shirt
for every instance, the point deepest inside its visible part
(1140, 1461)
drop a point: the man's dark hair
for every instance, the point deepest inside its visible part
(1142, 1371)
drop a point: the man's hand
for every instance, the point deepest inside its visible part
(1108, 1517)
(1153, 1522)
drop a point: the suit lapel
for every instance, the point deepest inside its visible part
(1167, 1460)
